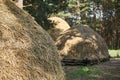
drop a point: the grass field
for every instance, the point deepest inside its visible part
(104, 71)
(82, 73)
(114, 53)
(109, 70)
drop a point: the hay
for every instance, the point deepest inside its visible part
(27, 52)
(60, 25)
(19, 3)
(82, 45)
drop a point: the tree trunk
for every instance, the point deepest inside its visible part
(117, 23)
(108, 33)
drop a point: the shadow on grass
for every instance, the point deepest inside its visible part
(84, 72)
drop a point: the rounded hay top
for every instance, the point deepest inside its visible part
(27, 52)
(59, 25)
(82, 45)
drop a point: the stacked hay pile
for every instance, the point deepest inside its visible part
(82, 45)
(25, 51)
(59, 25)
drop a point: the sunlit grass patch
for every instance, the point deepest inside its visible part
(114, 53)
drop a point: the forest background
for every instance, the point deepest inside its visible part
(101, 15)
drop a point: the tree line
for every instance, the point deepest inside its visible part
(101, 15)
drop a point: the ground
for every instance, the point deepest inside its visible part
(109, 70)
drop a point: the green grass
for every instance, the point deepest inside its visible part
(114, 53)
(89, 72)
(84, 71)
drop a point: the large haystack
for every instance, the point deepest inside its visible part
(26, 50)
(82, 45)
(59, 25)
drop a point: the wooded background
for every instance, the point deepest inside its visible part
(101, 15)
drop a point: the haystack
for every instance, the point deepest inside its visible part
(59, 25)
(26, 50)
(82, 45)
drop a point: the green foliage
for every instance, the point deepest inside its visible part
(101, 15)
(42, 9)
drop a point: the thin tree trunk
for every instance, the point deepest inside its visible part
(117, 24)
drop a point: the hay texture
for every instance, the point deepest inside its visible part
(81, 45)
(26, 50)
(59, 25)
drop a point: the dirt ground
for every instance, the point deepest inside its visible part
(109, 70)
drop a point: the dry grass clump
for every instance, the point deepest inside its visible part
(81, 44)
(27, 52)
(59, 25)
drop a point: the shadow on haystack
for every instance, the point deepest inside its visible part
(81, 45)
